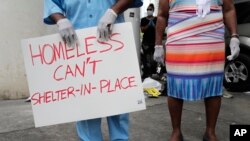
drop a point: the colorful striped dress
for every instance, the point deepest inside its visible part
(195, 51)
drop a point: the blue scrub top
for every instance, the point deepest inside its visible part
(82, 13)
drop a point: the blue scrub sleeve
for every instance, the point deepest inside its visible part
(51, 7)
(136, 3)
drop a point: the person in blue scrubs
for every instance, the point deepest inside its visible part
(76, 14)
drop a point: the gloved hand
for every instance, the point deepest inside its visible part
(159, 54)
(67, 32)
(234, 48)
(151, 23)
(203, 7)
(105, 25)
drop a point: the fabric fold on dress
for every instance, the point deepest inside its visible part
(186, 28)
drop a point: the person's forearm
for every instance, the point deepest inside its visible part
(160, 28)
(162, 19)
(56, 17)
(230, 21)
(121, 6)
(229, 15)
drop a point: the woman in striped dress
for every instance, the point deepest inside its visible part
(195, 55)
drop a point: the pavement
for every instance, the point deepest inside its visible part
(152, 124)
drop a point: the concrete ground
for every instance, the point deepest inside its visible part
(152, 124)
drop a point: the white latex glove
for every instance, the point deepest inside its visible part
(67, 32)
(234, 48)
(203, 7)
(105, 25)
(159, 54)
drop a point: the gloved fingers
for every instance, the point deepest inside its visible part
(237, 54)
(106, 33)
(100, 32)
(203, 14)
(73, 38)
(103, 33)
(234, 42)
(68, 41)
(233, 56)
(66, 30)
(203, 7)
(158, 59)
(155, 56)
(100, 35)
(63, 35)
(206, 10)
(230, 57)
(110, 29)
(234, 48)
(199, 11)
(77, 43)
(158, 54)
(104, 29)
(68, 38)
(162, 61)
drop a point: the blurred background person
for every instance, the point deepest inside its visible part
(148, 42)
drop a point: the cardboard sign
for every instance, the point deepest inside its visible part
(95, 79)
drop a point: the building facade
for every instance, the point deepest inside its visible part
(20, 19)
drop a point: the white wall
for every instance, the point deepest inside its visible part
(20, 19)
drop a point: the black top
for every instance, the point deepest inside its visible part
(149, 34)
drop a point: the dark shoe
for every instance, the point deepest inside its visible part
(28, 99)
(205, 138)
(181, 138)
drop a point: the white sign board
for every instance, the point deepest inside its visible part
(95, 79)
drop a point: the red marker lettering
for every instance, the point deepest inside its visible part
(106, 46)
(121, 44)
(48, 54)
(57, 78)
(69, 50)
(103, 84)
(59, 51)
(33, 56)
(68, 72)
(88, 44)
